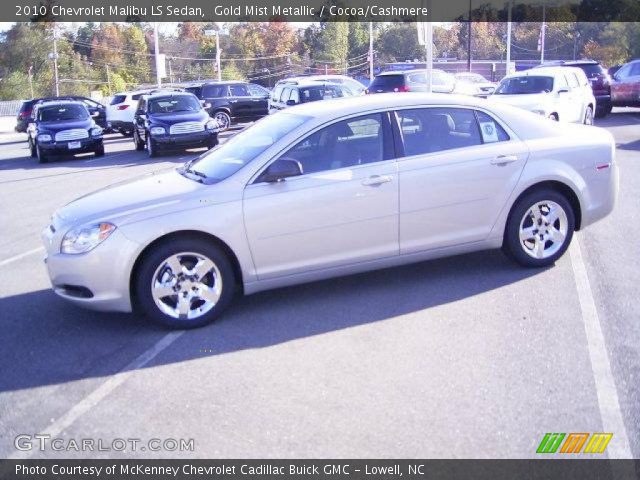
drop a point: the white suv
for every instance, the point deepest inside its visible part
(121, 110)
(559, 93)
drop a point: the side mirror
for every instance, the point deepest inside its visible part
(206, 105)
(281, 169)
(290, 103)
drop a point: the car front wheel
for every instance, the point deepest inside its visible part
(588, 116)
(223, 119)
(152, 147)
(137, 141)
(185, 283)
(539, 229)
(42, 157)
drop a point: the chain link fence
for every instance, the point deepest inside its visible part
(9, 108)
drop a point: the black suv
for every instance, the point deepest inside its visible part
(63, 127)
(170, 120)
(598, 78)
(25, 114)
(232, 101)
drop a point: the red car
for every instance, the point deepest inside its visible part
(625, 88)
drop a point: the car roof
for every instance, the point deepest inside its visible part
(169, 93)
(215, 82)
(50, 103)
(407, 72)
(361, 104)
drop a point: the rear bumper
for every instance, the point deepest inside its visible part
(187, 140)
(120, 125)
(86, 145)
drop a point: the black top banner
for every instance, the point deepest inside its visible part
(319, 10)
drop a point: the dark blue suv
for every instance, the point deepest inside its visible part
(63, 127)
(172, 120)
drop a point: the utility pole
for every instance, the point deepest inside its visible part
(543, 31)
(108, 79)
(54, 57)
(170, 73)
(31, 80)
(218, 54)
(371, 51)
(507, 72)
(429, 42)
(156, 51)
(469, 41)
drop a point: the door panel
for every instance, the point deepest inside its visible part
(454, 194)
(342, 210)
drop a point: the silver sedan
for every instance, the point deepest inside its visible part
(332, 188)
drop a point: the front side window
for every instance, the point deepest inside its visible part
(61, 113)
(295, 95)
(286, 92)
(214, 91)
(275, 95)
(347, 143)
(239, 91)
(226, 159)
(430, 130)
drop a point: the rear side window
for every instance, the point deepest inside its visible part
(430, 130)
(275, 95)
(285, 94)
(239, 91)
(118, 99)
(257, 91)
(490, 130)
(214, 91)
(387, 82)
(573, 80)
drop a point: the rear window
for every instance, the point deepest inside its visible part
(322, 92)
(197, 91)
(591, 70)
(525, 85)
(26, 106)
(60, 113)
(118, 99)
(136, 96)
(388, 81)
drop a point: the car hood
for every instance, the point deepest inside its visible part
(527, 100)
(168, 119)
(124, 201)
(59, 126)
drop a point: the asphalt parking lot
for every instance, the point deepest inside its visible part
(466, 357)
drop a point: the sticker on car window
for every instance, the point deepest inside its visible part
(489, 132)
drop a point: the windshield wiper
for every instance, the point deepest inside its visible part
(187, 170)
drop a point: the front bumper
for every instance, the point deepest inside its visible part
(86, 145)
(187, 140)
(98, 279)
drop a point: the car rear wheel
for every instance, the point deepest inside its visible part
(223, 119)
(137, 142)
(185, 283)
(588, 116)
(539, 229)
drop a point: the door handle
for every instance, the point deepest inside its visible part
(233, 101)
(375, 180)
(502, 160)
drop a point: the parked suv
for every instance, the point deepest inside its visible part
(558, 93)
(625, 88)
(412, 81)
(25, 114)
(169, 120)
(599, 79)
(121, 110)
(232, 101)
(287, 94)
(63, 127)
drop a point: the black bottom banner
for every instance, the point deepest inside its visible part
(542, 469)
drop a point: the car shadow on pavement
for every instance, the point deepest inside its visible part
(47, 341)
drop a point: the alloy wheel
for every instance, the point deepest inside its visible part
(223, 119)
(186, 285)
(543, 229)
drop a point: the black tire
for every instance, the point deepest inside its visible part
(32, 149)
(42, 157)
(512, 244)
(154, 260)
(138, 142)
(100, 151)
(126, 133)
(554, 117)
(588, 116)
(223, 118)
(212, 142)
(152, 147)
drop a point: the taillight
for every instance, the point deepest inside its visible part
(123, 107)
(403, 88)
(24, 114)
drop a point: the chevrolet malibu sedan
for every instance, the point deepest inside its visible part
(332, 188)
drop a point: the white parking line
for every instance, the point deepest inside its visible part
(15, 258)
(97, 395)
(605, 386)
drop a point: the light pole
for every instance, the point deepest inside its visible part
(507, 72)
(31, 80)
(54, 56)
(156, 51)
(371, 51)
(210, 33)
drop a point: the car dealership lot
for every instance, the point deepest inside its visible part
(463, 357)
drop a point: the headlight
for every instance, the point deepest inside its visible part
(157, 131)
(44, 137)
(83, 239)
(96, 132)
(212, 125)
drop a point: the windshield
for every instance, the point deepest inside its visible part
(61, 113)
(388, 81)
(226, 159)
(323, 92)
(173, 104)
(525, 85)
